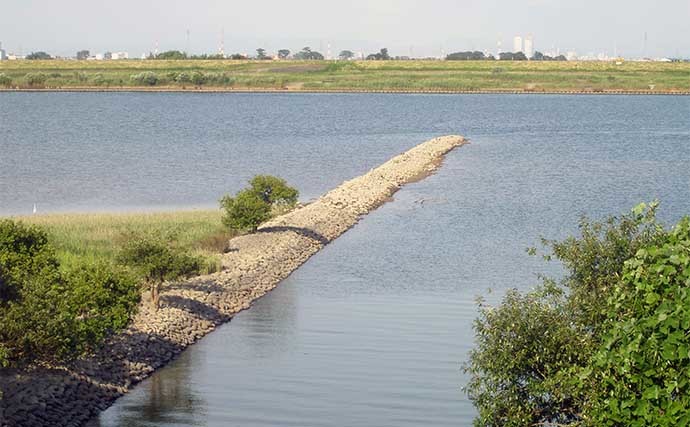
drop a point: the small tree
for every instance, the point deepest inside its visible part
(274, 190)
(283, 53)
(382, 55)
(245, 212)
(307, 54)
(346, 55)
(38, 56)
(261, 53)
(158, 261)
(171, 54)
(252, 206)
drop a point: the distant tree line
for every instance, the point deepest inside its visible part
(503, 56)
(38, 56)
(311, 55)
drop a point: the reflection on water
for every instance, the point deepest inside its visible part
(165, 400)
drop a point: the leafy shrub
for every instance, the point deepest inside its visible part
(5, 80)
(98, 79)
(273, 190)
(532, 352)
(198, 78)
(158, 260)
(220, 79)
(48, 314)
(35, 79)
(81, 76)
(252, 206)
(183, 78)
(640, 374)
(147, 78)
(522, 347)
(245, 212)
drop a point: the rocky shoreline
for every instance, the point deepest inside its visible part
(72, 395)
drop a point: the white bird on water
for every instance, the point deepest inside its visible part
(34, 209)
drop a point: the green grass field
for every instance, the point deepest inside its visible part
(100, 236)
(531, 76)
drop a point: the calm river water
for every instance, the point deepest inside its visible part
(374, 329)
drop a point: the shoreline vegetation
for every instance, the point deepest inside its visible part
(287, 76)
(72, 392)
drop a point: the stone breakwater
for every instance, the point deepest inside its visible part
(72, 395)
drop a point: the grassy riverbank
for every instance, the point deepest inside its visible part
(100, 236)
(530, 76)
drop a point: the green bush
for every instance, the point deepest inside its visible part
(147, 78)
(533, 352)
(35, 79)
(81, 76)
(254, 205)
(48, 314)
(640, 374)
(5, 80)
(183, 78)
(273, 190)
(102, 298)
(158, 260)
(198, 78)
(245, 212)
(98, 79)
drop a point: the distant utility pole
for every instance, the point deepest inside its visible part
(187, 46)
(644, 46)
(221, 49)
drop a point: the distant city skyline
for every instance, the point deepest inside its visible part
(405, 27)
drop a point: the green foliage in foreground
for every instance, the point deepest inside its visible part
(48, 314)
(640, 374)
(158, 260)
(608, 345)
(254, 205)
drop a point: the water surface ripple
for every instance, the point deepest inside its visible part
(372, 330)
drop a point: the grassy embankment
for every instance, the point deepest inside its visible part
(92, 237)
(529, 76)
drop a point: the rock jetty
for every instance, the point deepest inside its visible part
(72, 395)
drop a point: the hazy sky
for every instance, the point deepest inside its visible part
(404, 26)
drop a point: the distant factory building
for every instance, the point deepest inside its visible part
(3, 54)
(120, 55)
(529, 47)
(517, 44)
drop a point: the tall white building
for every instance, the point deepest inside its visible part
(529, 46)
(517, 44)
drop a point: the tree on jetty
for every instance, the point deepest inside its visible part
(250, 207)
(158, 260)
(606, 346)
